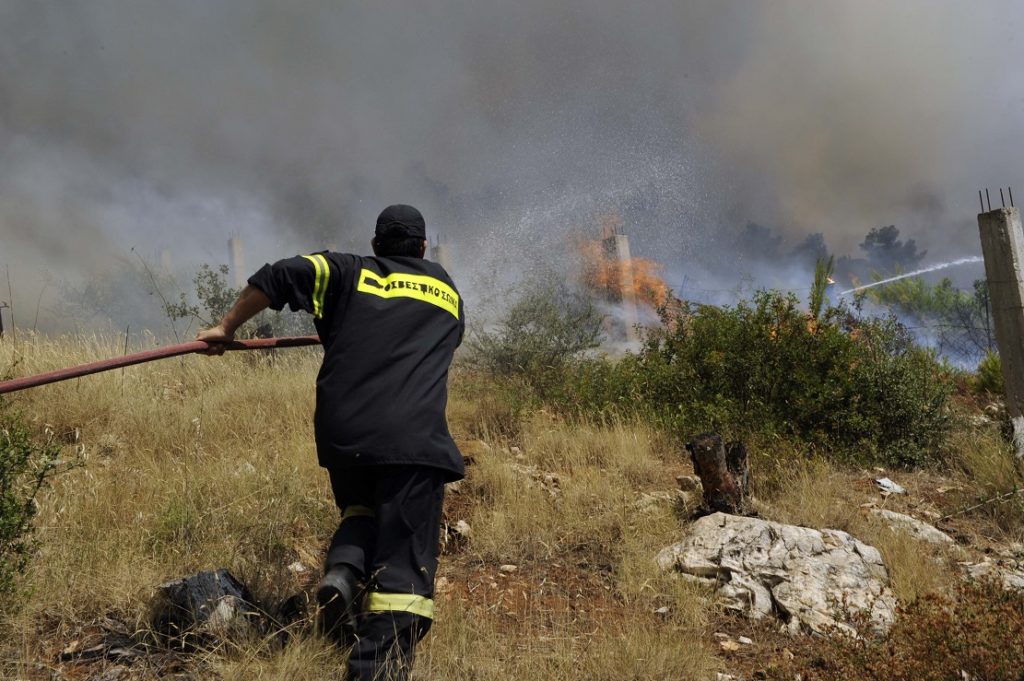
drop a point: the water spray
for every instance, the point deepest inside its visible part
(933, 268)
(149, 356)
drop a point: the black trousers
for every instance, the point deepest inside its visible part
(389, 534)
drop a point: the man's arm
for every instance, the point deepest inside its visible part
(251, 301)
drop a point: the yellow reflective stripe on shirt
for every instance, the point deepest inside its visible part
(415, 286)
(383, 602)
(323, 276)
(318, 282)
(356, 511)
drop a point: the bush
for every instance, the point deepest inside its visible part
(989, 376)
(24, 467)
(214, 297)
(859, 387)
(538, 337)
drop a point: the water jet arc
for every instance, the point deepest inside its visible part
(933, 268)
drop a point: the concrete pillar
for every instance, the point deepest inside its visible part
(1002, 244)
(236, 253)
(166, 262)
(441, 254)
(616, 247)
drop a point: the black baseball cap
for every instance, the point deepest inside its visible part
(401, 221)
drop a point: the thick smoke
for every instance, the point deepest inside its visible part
(159, 125)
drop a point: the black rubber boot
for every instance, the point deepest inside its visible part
(337, 596)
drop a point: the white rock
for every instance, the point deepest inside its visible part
(507, 569)
(816, 579)
(297, 568)
(1011, 550)
(463, 529)
(889, 486)
(745, 641)
(649, 501)
(689, 483)
(245, 469)
(1013, 579)
(549, 482)
(1010, 575)
(915, 528)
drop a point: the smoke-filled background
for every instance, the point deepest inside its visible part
(166, 127)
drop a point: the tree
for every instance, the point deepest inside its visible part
(958, 321)
(760, 243)
(810, 250)
(822, 278)
(886, 253)
(542, 331)
(214, 297)
(126, 293)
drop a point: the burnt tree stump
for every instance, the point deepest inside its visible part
(724, 472)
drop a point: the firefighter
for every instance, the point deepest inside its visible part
(389, 326)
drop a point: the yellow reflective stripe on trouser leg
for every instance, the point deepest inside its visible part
(323, 275)
(383, 602)
(356, 511)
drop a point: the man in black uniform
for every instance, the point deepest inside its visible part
(389, 326)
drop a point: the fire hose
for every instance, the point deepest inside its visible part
(149, 356)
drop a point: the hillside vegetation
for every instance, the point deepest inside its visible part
(196, 463)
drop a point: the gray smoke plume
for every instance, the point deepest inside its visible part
(160, 125)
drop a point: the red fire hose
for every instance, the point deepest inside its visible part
(149, 356)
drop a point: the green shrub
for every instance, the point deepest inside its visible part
(989, 376)
(538, 337)
(214, 297)
(24, 467)
(856, 387)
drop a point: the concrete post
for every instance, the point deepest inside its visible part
(166, 262)
(1002, 244)
(236, 252)
(616, 247)
(440, 254)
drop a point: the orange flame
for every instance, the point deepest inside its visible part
(638, 279)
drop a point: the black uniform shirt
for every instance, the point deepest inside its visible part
(389, 328)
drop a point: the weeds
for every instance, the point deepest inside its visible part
(989, 377)
(993, 480)
(975, 632)
(25, 465)
(200, 463)
(799, 488)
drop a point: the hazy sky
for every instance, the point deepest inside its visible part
(171, 125)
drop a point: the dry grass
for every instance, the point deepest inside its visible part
(991, 482)
(810, 491)
(196, 463)
(563, 504)
(305, 658)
